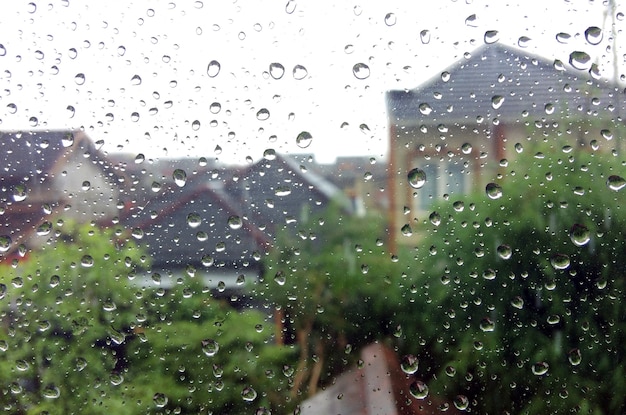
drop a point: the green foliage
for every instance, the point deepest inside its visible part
(338, 289)
(80, 333)
(531, 278)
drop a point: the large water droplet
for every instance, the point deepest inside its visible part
(20, 192)
(282, 191)
(425, 36)
(445, 76)
(215, 108)
(563, 37)
(615, 183)
(435, 218)
(417, 178)
(593, 34)
(262, 114)
(418, 390)
(195, 125)
(280, 278)
(425, 109)
(390, 19)
(409, 364)
(461, 402)
(497, 101)
(277, 70)
(574, 357)
(487, 325)
(304, 139)
(540, 368)
(235, 222)
(290, 7)
(580, 235)
(491, 36)
(180, 177)
(517, 302)
(213, 69)
(361, 71)
(504, 251)
(79, 79)
(135, 80)
(5, 243)
(493, 190)
(523, 41)
(87, 261)
(248, 394)
(51, 392)
(160, 400)
(580, 60)
(299, 72)
(471, 21)
(210, 347)
(560, 261)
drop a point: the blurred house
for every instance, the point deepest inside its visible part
(48, 173)
(459, 127)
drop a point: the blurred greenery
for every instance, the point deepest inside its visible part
(78, 334)
(530, 281)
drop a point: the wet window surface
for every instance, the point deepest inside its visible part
(306, 208)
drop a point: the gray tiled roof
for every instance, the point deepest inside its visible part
(526, 82)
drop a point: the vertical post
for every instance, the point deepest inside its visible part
(392, 192)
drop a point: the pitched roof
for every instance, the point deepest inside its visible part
(498, 81)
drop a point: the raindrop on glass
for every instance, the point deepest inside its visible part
(560, 261)
(213, 69)
(493, 190)
(304, 139)
(418, 390)
(409, 364)
(180, 177)
(593, 34)
(235, 222)
(361, 71)
(160, 400)
(461, 402)
(540, 368)
(580, 60)
(248, 394)
(497, 101)
(491, 36)
(79, 79)
(390, 19)
(262, 114)
(417, 178)
(210, 347)
(425, 36)
(574, 357)
(277, 70)
(135, 80)
(580, 235)
(299, 72)
(615, 183)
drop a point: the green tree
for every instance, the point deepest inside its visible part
(523, 286)
(335, 289)
(80, 332)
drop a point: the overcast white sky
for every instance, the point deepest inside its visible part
(169, 45)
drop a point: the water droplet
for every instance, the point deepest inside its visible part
(304, 139)
(299, 72)
(135, 80)
(593, 34)
(563, 37)
(3, 50)
(134, 117)
(55, 280)
(560, 261)
(139, 158)
(12, 108)
(213, 69)
(504, 251)
(51, 392)
(471, 21)
(160, 400)
(615, 183)
(425, 109)
(580, 235)
(109, 305)
(282, 191)
(487, 325)
(290, 7)
(280, 278)
(361, 71)
(20, 192)
(409, 364)
(425, 36)
(248, 394)
(262, 114)
(580, 60)
(277, 70)
(86, 185)
(33, 121)
(180, 177)
(491, 36)
(79, 79)
(406, 230)
(540, 368)
(217, 150)
(156, 187)
(461, 402)
(445, 76)
(574, 357)
(71, 111)
(215, 108)
(87, 261)
(497, 101)
(22, 365)
(517, 302)
(269, 154)
(80, 364)
(210, 347)
(493, 190)
(5, 243)
(523, 41)
(418, 390)
(207, 261)
(417, 178)
(235, 222)
(390, 19)
(435, 218)
(44, 228)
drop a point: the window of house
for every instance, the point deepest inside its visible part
(260, 207)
